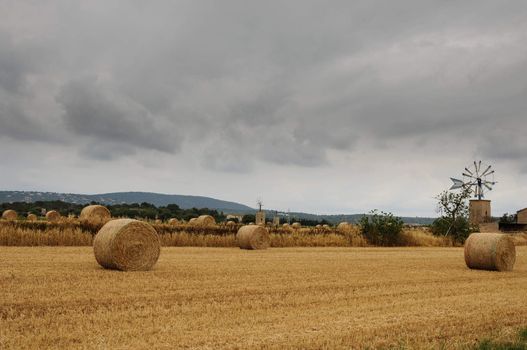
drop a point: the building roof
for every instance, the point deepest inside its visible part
(521, 210)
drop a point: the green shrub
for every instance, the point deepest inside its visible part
(381, 228)
(459, 229)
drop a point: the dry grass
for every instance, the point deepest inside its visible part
(51, 236)
(69, 232)
(304, 298)
(422, 237)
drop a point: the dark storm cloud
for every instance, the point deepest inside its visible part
(97, 112)
(257, 82)
(18, 99)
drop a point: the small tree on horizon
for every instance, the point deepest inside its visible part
(454, 215)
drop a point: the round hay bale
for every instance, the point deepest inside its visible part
(296, 225)
(253, 237)
(127, 245)
(9, 215)
(230, 223)
(343, 226)
(205, 220)
(173, 221)
(326, 227)
(285, 225)
(31, 217)
(490, 251)
(318, 227)
(192, 221)
(158, 221)
(53, 216)
(95, 215)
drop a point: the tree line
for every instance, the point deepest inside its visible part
(134, 210)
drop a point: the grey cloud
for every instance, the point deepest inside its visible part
(287, 84)
(96, 111)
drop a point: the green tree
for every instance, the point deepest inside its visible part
(381, 228)
(454, 215)
(248, 218)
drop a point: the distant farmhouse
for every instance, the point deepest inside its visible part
(522, 216)
(238, 217)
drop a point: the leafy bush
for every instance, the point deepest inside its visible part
(508, 218)
(381, 228)
(459, 228)
(248, 218)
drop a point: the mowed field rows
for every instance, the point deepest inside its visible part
(59, 297)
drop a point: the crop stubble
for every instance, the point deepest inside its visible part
(229, 298)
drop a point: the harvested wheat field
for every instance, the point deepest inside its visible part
(208, 298)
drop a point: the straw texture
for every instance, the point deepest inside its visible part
(127, 245)
(32, 217)
(205, 220)
(53, 216)
(173, 221)
(343, 226)
(95, 215)
(253, 237)
(490, 251)
(9, 215)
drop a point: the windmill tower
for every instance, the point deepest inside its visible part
(276, 219)
(260, 214)
(477, 181)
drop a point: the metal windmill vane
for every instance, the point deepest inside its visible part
(476, 180)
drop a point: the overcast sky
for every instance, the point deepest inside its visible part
(323, 107)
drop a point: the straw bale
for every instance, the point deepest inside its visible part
(53, 216)
(205, 220)
(9, 215)
(230, 223)
(296, 225)
(127, 245)
(253, 237)
(173, 221)
(343, 226)
(95, 215)
(490, 251)
(32, 217)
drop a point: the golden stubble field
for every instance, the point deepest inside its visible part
(58, 297)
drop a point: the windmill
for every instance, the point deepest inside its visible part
(259, 203)
(260, 215)
(478, 178)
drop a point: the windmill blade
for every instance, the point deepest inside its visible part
(479, 166)
(490, 182)
(485, 172)
(468, 171)
(467, 175)
(476, 168)
(457, 184)
(487, 186)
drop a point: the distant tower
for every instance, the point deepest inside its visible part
(260, 215)
(276, 219)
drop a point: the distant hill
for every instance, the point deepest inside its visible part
(184, 202)
(157, 199)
